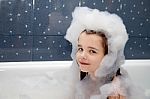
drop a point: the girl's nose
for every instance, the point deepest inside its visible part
(83, 55)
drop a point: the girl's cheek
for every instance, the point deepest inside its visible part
(77, 56)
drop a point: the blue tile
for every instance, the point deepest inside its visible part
(53, 18)
(34, 30)
(16, 17)
(138, 48)
(16, 48)
(51, 48)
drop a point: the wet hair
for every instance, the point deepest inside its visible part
(104, 44)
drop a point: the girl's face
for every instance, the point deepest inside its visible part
(90, 52)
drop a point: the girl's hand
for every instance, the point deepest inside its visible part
(116, 97)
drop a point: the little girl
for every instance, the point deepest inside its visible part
(98, 39)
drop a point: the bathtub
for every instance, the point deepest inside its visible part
(46, 79)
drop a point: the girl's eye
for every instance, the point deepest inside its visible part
(80, 49)
(93, 52)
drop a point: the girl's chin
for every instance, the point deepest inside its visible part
(83, 69)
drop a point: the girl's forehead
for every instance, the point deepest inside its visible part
(90, 40)
(90, 37)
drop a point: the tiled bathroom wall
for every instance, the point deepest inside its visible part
(33, 30)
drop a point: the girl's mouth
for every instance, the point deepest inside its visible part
(84, 63)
